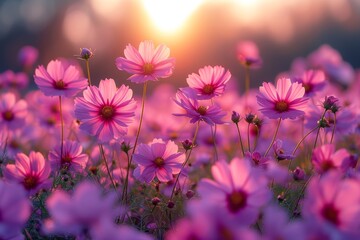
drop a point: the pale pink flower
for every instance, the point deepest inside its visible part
(73, 157)
(59, 79)
(13, 80)
(197, 110)
(325, 158)
(105, 112)
(210, 82)
(15, 210)
(238, 188)
(147, 63)
(31, 171)
(333, 202)
(158, 159)
(313, 81)
(86, 210)
(285, 101)
(12, 112)
(248, 54)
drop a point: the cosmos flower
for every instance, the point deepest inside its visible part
(58, 79)
(158, 159)
(31, 171)
(238, 188)
(13, 80)
(285, 101)
(248, 54)
(324, 158)
(147, 63)
(210, 82)
(105, 111)
(313, 81)
(15, 210)
(12, 112)
(331, 201)
(72, 159)
(27, 56)
(195, 110)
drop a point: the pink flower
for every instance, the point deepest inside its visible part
(15, 210)
(147, 63)
(238, 188)
(195, 110)
(14, 80)
(86, 210)
(58, 79)
(31, 171)
(73, 159)
(158, 159)
(105, 112)
(313, 81)
(333, 202)
(12, 112)
(27, 56)
(324, 158)
(210, 82)
(248, 54)
(285, 101)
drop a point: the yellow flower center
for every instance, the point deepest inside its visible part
(159, 161)
(202, 110)
(148, 68)
(60, 84)
(8, 115)
(281, 106)
(236, 201)
(107, 112)
(208, 89)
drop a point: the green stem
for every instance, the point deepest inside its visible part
(273, 139)
(318, 131)
(88, 71)
(240, 140)
(124, 193)
(333, 130)
(107, 166)
(248, 137)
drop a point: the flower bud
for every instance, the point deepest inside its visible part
(171, 204)
(155, 201)
(85, 53)
(330, 103)
(249, 118)
(235, 117)
(298, 174)
(190, 194)
(187, 144)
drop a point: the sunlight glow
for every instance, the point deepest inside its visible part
(169, 15)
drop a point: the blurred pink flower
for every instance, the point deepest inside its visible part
(9, 79)
(285, 101)
(27, 56)
(313, 81)
(195, 110)
(59, 79)
(84, 211)
(210, 82)
(248, 54)
(72, 159)
(12, 112)
(238, 188)
(31, 171)
(158, 159)
(105, 112)
(324, 158)
(332, 201)
(15, 210)
(147, 63)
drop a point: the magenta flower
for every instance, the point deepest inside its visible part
(12, 112)
(238, 188)
(72, 158)
(15, 210)
(285, 101)
(248, 54)
(27, 56)
(313, 81)
(195, 110)
(210, 82)
(86, 210)
(333, 202)
(324, 158)
(31, 171)
(13, 80)
(158, 159)
(59, 79)
(147, 63)
(105, 112)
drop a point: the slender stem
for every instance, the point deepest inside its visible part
(248, 137)
(273, 139)
(333, 130)
(318, 131)
(257, 137)
(141, 119)
(186, 160)
(106, 165)
(298, 145)
(88, 71)
(62, 129)
(301, 193)
(124, 193)
(240, 140)
(213, 133)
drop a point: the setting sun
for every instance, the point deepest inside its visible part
(169, 15)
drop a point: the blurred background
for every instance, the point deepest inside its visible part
(198, 32)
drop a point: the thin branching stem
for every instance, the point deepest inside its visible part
(273, 139)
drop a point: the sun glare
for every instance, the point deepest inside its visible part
(169, 15)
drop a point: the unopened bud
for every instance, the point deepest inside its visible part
(85, 53)
(235, 117)
(298, 174)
